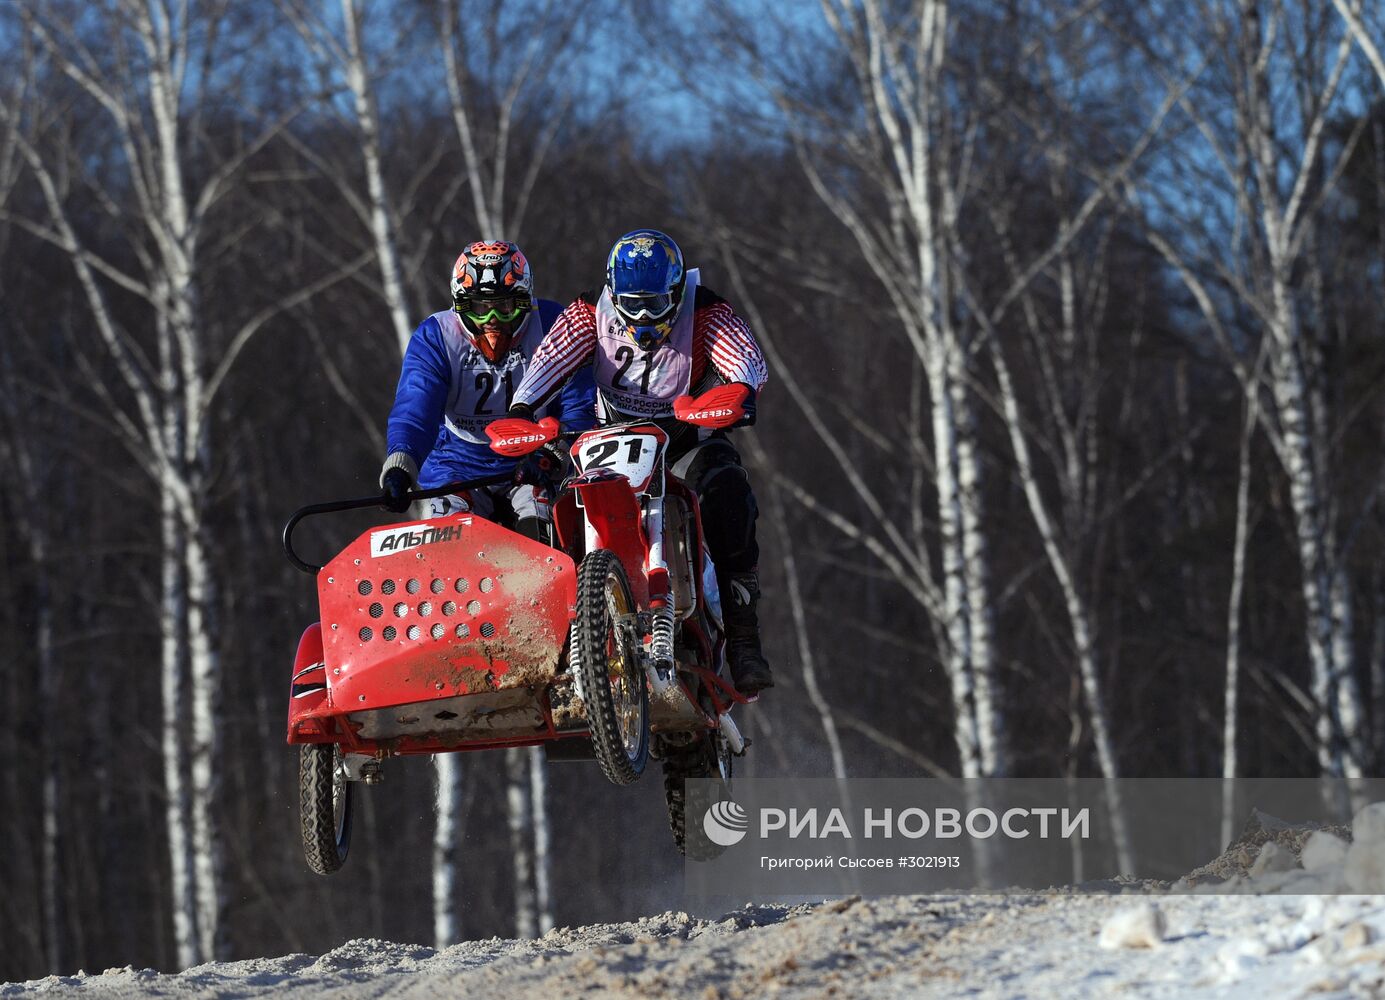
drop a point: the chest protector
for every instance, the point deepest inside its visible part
(482, 391)
(633, 384)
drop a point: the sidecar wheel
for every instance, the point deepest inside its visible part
(324, 806)
(607, 658)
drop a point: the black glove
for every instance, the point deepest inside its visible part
(395, 484)
(540, 468)
(521, 410)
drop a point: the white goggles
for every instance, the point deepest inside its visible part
(638, 307)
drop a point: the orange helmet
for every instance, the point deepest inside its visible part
(492, 292)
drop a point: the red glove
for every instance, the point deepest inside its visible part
(515, 437)
(723, 406)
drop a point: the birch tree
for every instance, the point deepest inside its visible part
(511, 87)
(784, 490)
(1073, 257)
(1371, 37)
(921, 135)
(899, 184)
(150, 86)
(1231, 703)
(1279, 75)
(912, 146)
(779, 517)
(348, 60)
(518, 802)
(16, 447)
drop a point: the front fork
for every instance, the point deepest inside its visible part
(662, 623)
(661, 607)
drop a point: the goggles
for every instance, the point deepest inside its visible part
(644, 307)
(504, 309)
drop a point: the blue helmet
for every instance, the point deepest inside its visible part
(645, 276)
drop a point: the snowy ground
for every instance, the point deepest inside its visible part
(1261, 938)
(911, 946)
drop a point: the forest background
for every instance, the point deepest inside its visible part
(1070, 464)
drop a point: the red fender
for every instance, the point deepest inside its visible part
(308, 688)
(614, 514)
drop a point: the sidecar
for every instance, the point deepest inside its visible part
(435, 636)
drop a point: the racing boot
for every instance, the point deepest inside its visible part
(749, 668)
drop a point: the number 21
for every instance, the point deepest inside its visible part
(625, 354)
(602, 454)
(485, 381)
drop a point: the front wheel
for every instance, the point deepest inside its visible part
(607, 653)
(324, 806)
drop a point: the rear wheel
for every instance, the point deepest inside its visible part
(696, 777)
(324, 806)
(607, 654)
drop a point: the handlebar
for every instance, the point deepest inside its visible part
(721, 407)
(335, 506)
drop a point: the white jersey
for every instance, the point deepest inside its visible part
(635, 384)
(482, 391)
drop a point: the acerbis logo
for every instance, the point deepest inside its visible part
(704, 414)
(520, 439)
(725, 824)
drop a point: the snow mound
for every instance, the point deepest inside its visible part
(1323, 851)
(1364, 867)
(1141, 926)
(1300, 860)
(1238, 862)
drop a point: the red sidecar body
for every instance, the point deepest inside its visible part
(438, 635)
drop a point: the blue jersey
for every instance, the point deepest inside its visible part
(448, 392)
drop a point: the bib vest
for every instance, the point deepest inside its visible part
(634, 384)
(482, 391)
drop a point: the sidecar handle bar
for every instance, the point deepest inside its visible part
(334, 506)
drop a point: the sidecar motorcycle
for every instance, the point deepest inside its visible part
(457, 634)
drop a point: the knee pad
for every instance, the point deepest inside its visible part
(452, 503)
(530, 502)
(706, 460)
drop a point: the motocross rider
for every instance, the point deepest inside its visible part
(653, 334)
(460, 372)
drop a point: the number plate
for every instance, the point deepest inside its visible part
(631, 452)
